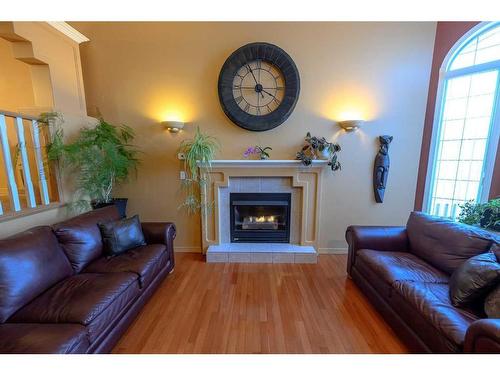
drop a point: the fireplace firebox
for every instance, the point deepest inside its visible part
(260, 217)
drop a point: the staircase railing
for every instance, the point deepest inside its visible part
(22, 125)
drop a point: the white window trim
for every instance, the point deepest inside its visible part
(491, 152)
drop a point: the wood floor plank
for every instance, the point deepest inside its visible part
(259, 308)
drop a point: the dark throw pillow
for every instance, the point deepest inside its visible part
(492, 304)
(495, 248)
(121, 235)
(475, 278)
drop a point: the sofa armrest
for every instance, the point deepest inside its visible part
(483, 336)
(375, 238)
(164, 233)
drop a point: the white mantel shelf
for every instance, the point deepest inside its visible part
(265, 163)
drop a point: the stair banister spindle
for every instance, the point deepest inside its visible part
(9, 170)
(28, 184)
(44, 191)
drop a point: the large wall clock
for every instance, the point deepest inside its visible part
(259, 86)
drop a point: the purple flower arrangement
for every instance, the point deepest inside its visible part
(262, 152)
(250, 151)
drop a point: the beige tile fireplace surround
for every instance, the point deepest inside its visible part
(263, 176)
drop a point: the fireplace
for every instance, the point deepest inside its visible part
(260, 217)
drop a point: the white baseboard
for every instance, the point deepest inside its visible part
(332, 250)
(187, 249)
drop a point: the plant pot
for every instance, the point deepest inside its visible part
(324, 155)
(120, 203)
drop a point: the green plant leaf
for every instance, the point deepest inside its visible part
(199, 152)
(100, 158)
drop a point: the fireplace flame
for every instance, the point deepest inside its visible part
(262, 219)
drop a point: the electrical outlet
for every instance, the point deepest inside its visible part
(181, 156)
(182, 175)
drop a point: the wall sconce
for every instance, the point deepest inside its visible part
(173, 126)
(350, 125)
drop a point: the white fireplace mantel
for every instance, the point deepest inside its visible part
(244, 163)
(257, 176)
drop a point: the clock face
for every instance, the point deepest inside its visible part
(259, 86)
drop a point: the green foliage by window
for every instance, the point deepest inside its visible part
(100, 158)
(199, 152)
(486, 215)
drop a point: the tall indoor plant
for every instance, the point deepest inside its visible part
(199, 153)
(100, 157)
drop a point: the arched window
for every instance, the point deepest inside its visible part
(466, 123)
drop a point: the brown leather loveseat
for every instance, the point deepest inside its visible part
(405, 271)
(59, 294)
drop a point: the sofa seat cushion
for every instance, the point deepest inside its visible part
(34, 338)
(433, 303)
(93, 300)
(394, 266)
(145, 261)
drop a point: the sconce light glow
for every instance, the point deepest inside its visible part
(349, 115)
(173, 126)
(350, 125)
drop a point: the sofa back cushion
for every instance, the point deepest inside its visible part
(444, 243)
(80, 236)
(30, 263)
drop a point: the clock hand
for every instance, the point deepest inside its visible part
(253, 75)
(255, 79)
(268, 93)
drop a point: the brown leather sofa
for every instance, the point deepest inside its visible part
(404, 272)
(59, 294)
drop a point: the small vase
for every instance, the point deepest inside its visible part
(263, 157)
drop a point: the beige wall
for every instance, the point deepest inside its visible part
(142, 73)
(16, 90)
(54, 63)
(62, 55)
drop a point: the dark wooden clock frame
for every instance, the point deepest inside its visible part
(271, 54)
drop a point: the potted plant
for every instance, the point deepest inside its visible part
(101, 157)
(199, 153)
(485, 215)
(319, 148)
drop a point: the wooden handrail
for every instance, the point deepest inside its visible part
(15, 115)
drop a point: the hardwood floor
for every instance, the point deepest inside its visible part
(259, 308)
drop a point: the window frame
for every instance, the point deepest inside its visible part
(437, 128)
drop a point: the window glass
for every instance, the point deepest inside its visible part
(468, 107)
(482, 49)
